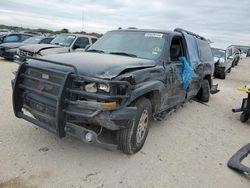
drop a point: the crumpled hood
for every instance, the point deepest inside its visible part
(96, 65)
(12, 45)
(38, 47)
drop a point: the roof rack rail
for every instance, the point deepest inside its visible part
(191, 33)
(132, 28)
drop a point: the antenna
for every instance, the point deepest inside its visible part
(82, 20)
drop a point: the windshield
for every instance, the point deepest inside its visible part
(63, 40)
(32, 40)
(218, 53)
(147, 45)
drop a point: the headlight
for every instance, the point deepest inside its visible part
(104, 87)
(91, 88)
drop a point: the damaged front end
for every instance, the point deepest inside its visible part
(68, 103)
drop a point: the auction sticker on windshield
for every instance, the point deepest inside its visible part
(156, 35)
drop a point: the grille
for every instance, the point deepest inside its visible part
(26, 53)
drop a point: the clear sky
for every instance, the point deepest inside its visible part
(224, 22)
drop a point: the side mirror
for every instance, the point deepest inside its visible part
(230, 57)
(87, 47)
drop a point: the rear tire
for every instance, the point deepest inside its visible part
(130, 140)
(204, 92)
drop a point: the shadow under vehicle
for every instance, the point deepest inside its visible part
(223, 63)
(9, 50)
(120, 83)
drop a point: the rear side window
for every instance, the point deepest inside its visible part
(82, 42)
(11, 38)
(205, 50)
(24, 37)
(93, 40)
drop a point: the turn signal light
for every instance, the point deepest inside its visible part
(110, 105)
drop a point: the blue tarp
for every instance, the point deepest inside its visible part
(187, 72)
(193, 51)
(194, 59)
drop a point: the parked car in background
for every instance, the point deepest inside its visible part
(63, 43)
(8, 50)
(243, 53)
(15, 37)
(233, 54)
(4, 32)
(116, 86)
(222, 64)
(32, 33)
(248, 53)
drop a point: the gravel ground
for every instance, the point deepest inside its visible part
(189, 149)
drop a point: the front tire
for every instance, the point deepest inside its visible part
(130, 140)
(244, 117)
(204, 92)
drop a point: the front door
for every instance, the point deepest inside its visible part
(177, 92)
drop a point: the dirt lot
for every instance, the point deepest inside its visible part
(189, 149)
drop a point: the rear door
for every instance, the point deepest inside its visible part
(193, 57)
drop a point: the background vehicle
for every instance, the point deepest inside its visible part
(4, 32)
(222, 64)
(63, 43)
(233, 54)
(8, 50)
(15, 37)
(116, 86)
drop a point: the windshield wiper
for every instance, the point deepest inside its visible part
(123, 53)
(95, 50)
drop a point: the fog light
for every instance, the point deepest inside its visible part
(89, 137)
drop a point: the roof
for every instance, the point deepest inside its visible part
(78, 35)
(176, 31)
(146, 30)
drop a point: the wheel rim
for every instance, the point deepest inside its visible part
(142, 126)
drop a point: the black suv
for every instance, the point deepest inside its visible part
(116, 86)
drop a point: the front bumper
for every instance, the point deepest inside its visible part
(47, 95)
(6, 54)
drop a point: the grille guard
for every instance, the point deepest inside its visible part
(61, 99)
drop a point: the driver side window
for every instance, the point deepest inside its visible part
(176, 49)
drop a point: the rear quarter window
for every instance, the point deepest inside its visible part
(24, 37)
(205, 51)
(93, 40)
